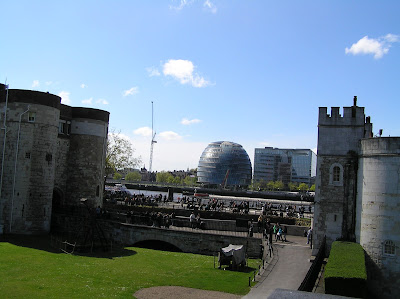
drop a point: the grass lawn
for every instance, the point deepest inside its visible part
(346, 260)
(27, 272)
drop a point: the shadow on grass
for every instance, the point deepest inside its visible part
(245, 269)
(43, 242)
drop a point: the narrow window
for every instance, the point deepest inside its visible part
(98, 190)
(389, 248)
(31, 117)
(336, 174)
(68, 128)
(61, 127)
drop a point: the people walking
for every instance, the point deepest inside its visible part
(309, 236)
(284, 233)
(192, 219)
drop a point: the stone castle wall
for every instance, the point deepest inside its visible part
(86, 170)
(50, 164)
(338, 146)
(378, 211)
(364, 204)
(61, 171)
(28, 176)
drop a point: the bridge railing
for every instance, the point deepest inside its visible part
(207, 225)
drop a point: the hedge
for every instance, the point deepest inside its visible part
(346, 273)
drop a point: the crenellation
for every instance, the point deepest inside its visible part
(335, 113)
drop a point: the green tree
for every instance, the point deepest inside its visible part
(279, 185)
(190, 180)
(170, 179)
(133, 176)
(117, 176)
(254, 185)
(303, 187)
(177, 180)
(164, 177)
(119, 153)
(271, 185)
(312, 188)
(293, 186)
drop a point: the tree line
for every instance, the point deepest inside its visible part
(263, 185)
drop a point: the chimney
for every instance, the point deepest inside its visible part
(355, 101)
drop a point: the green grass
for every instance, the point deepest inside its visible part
(33, 273)
(346, 260)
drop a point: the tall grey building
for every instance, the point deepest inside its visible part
(286, 165)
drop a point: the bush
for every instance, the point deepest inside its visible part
(133, 177)
(346, 274)
(117, 176)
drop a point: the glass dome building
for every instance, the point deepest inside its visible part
(224, 163)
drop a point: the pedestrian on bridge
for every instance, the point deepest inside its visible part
(192, 219)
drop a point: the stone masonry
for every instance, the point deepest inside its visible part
(50, 154)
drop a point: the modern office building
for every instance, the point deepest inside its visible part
(226, 164)
(286, 165)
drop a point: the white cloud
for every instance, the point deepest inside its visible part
(131, 91)
(169, 135)
(65, 97)
(99, 101)
(153, 72)
(187, 122)
(143, 131)
(392, 38)
(375, 46)
(181, 4)
(35, 83)
(182, 70)
(169, 156)
(102, 101)
(210, 6)
(83, 85)
(88, 101)
(49, 83)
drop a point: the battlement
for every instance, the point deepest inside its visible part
(352, 116)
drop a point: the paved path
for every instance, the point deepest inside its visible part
(287, 269)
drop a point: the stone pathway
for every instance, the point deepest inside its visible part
(286, 270)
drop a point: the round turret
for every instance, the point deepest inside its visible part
(29, 144)
(378, 209)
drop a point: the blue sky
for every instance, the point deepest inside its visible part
(251, 72)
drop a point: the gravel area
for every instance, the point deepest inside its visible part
(174, 292)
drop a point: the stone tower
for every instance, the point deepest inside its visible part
(336, 181)
(28, 145)
(378, 213)
(86, 156)
(52, 155)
